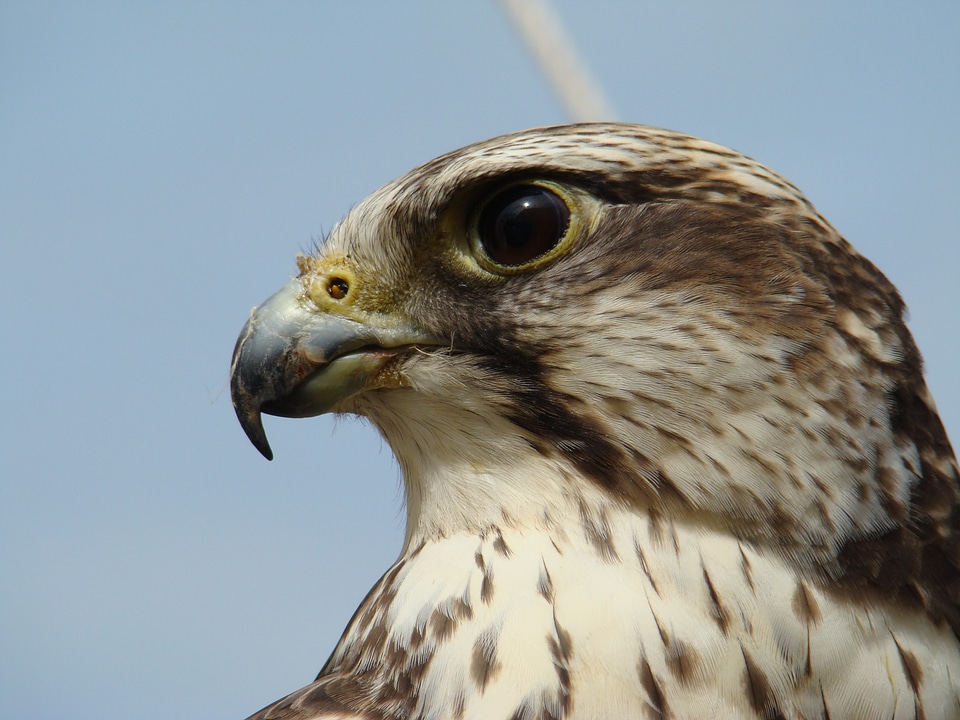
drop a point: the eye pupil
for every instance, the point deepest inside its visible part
(521, 223)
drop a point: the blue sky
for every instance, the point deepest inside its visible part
(160, 166)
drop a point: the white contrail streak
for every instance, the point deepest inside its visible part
(566, 71)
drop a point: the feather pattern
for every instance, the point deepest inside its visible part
(682, 465)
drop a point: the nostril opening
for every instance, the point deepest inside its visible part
(337, 288)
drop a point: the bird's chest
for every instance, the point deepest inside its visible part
(626, 622)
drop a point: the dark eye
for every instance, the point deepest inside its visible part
(522, 223)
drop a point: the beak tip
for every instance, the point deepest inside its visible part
(253, 427)
(246, 393)
(251, 420)
(252, 423)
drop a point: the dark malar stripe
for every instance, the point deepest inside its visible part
(558, 423)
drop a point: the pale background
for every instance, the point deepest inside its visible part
(161, 164)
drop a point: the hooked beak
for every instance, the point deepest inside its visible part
(294, 360)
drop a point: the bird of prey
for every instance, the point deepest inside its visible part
(665, 440)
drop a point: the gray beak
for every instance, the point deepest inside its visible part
(294, 360)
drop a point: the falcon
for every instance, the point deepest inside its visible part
(665, 440)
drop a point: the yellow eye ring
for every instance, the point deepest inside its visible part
(523, 225)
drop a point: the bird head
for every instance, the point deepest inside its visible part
(616, 312)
